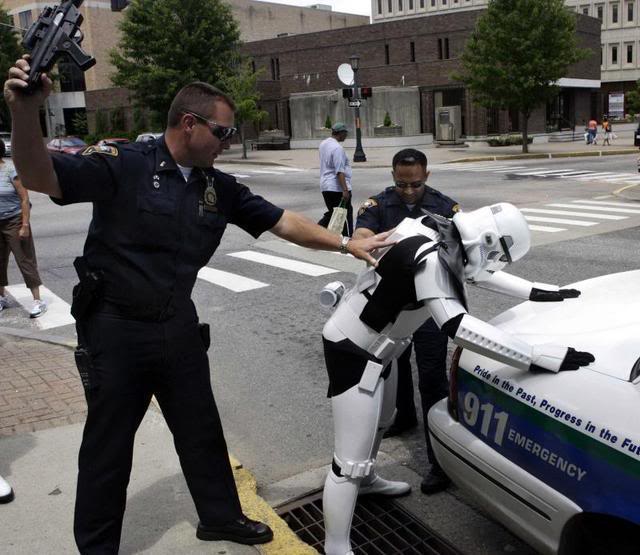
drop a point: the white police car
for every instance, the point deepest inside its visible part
(554, 457)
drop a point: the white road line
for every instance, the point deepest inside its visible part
(58, 311)
(269, 172)
(564, 221)
(545, 228)
(599, 175)
(489, 169)
(545, 173)
(288, 169)
(628, 178)
(601, 208)
(571, 213)
(606, 203)
(284, 263)
(573, 174)
(512, 169)
(234, 282)
(240, 175)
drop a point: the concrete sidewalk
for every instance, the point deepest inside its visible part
(380, 157)
(42, 410)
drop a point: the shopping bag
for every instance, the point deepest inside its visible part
(338, 218)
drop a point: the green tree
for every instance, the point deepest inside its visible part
(10, 51)
(167, 44)
(242, 87)
(632, 100)
(518, 51)
(328, 123)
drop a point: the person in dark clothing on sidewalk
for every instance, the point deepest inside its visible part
(410, 197)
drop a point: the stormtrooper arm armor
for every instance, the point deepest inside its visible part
(485, 339)
(507, 284)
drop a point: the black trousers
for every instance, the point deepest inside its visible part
(430, 345)
(331, 200)
(134, 360)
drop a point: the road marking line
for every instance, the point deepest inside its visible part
(58, 311)
(269, 172)
(512, 169)
(284, 263)
(240, 175)
(626, 178)
(606, 203)
(545, 173)
(601, 208)
(564, 221)
(490, 169)
(573, 174)
(545, 228)
(288, 169)
(570, 213)
(234, 282)
(600, 175)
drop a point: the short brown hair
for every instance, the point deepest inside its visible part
(196, 97)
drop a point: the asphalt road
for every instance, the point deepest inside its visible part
(267, 366)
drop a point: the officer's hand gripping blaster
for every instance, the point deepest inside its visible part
(55, 33)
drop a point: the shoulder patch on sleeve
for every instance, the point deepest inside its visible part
(370, 202)
(455, 208)
(102, 149)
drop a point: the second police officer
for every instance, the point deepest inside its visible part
(410, 197)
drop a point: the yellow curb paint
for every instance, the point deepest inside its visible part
(256, 508)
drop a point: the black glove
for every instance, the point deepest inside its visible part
(541, 296)
(572, 361)
(575, 359)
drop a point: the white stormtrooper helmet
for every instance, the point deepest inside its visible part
(492, 237)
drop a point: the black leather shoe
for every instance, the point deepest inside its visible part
(244, 530)
(435, 480)
(399, 428)
(7, 498)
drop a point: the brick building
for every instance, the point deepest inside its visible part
(408, 62)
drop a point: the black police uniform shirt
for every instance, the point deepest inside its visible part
(151, 230)
(386, 210)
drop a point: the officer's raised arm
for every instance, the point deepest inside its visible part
(30, 156)
(299, 230)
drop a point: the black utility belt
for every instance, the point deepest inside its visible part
(139, 313)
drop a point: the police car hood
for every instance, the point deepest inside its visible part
(604, 320)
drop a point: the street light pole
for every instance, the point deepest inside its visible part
(358, 155)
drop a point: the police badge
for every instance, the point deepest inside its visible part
(210, 196)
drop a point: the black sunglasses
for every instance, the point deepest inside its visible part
(219, 131)
(414, 185)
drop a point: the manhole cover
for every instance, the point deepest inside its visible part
(380, 527)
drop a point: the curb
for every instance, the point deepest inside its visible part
(546, 155)
(34, 335)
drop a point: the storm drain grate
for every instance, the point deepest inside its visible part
(380, 527)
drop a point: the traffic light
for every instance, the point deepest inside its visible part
(347, 93)
(365, 92)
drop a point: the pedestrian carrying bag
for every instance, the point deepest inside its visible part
(338, 218)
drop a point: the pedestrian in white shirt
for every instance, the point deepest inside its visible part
(335, 176)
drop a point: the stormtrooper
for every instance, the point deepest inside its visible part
(6, 493)
(422, 275)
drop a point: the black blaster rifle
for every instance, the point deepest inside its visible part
(54, 34)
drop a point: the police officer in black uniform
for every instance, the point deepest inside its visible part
(410, 197)
(159, 212)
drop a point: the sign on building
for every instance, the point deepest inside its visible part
(616, 105)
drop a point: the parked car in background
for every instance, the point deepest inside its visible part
(147, 137)
(113, 141)
(6, 138)
(554, 457)
(68, 145)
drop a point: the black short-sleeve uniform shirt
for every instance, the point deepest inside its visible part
(386, 210)
(151, 230)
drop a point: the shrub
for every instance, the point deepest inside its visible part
(328, 123)
(507, 140)
(387, 120)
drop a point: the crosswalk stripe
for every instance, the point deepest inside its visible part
(564, 221)
(573, 174)
(598, 175)
(601, 208)
(234, 282)
(545, 228)
(512, 169)
(570, 213)
(268, 172)
(627, 177)
(550, 173)
(605, 203)
(240, 175)
(284, 263)
(58, 311)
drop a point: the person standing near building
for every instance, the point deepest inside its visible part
(411, 197)
(16, 237)
(335, 176)
(159, 213)
(592, 130)
(607, 130)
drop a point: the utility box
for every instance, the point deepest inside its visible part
(448, 125)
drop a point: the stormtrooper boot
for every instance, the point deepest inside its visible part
(6, 493)
(374, 484)
(338, 501)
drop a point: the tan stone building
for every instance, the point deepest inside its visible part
(85, 93)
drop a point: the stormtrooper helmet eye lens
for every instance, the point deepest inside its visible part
(506, 242)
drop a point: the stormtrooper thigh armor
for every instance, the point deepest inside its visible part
(360, 415)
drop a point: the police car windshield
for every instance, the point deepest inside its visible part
(74, 141)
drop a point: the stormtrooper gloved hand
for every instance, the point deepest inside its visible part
(541, 296)
(572, 361)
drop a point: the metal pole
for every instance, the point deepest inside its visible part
(358, 155)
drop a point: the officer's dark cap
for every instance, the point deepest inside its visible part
(409, 157)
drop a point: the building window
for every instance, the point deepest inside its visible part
(446, 49)
(253, 66)
(71, 77)
(379, 7)
(275, 69)
(412, 48)
(422, 4)
(25, 19)
(630, 11)
(410, 4)
(386, 54)
(600, 12)
(601, 55)
(585, 10)
(399, 5)
(433, 3)
(614, 55)
(439, 49)
(390, 5)
(614, 13)
(629, 53)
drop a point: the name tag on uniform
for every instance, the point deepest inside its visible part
(370, 376)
